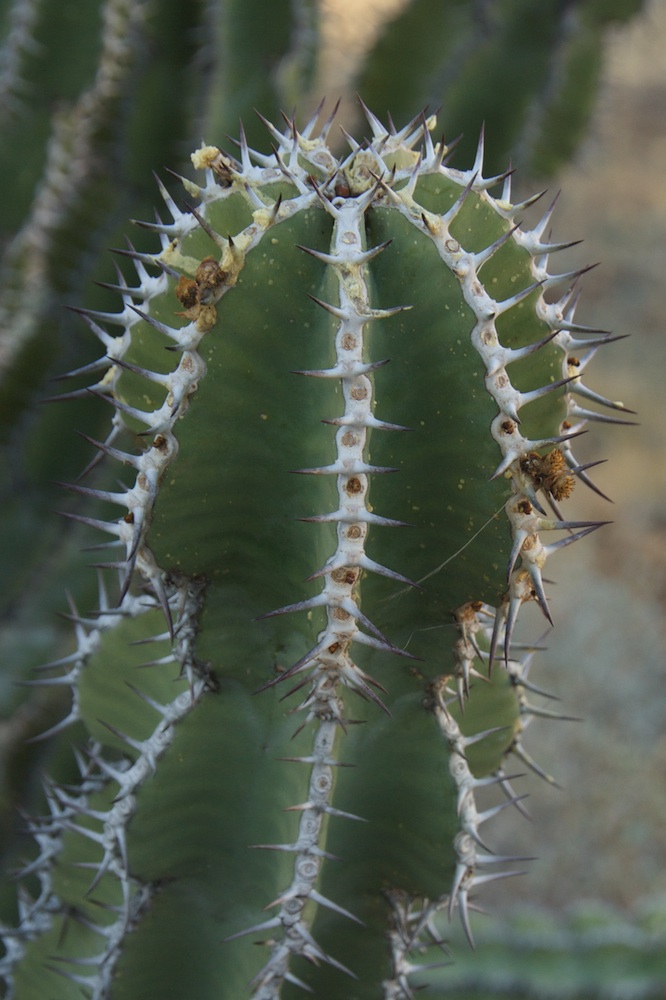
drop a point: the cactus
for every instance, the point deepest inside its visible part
(593, 952)
(272, 306)
(344, 392)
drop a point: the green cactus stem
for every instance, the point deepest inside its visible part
(591, 952)
(344, 399)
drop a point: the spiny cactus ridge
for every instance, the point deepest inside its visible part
(318, 750)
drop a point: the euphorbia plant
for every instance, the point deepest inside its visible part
(336, 406)
(345, 396)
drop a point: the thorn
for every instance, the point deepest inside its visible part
(59, 727)
(308, 659)
(342, 371)
(173, 333)
(569, 539)
(529, 397)
(88, 982)
(368, 564)
(326, 127)
(275, 211)
(91, 369)
(218, 240)
(66, 397)
(378, 130)
(477, 167)
(469, 741)
(365, 516)
(115, 318)
(532, 200)
(87, 491)
(544, 713)
(295, 981)
(340, 314)
(450, 215)
(136, 744)
(464, 918)
(162, 710)
(539, 593)
(519, 750)
(504, 782)
(142, 416)
(158, 377)
(329, 904)
(265, 926)
(579, 471)
(110, 527)
(358, 468)
(140, 258)
(483, 255)
(600, 418)
(120, 456)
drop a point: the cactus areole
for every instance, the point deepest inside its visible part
(345, 393)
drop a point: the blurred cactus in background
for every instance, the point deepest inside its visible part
(196, 712)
